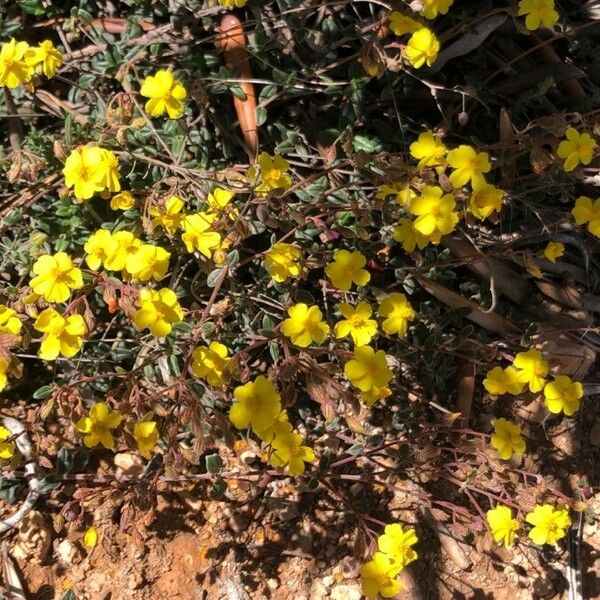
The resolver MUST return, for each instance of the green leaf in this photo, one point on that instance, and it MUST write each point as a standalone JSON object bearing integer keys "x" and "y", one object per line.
{"x": 261, "y": 115}
{"x": 366, "y": 144}
{"x": 64, "y": 461}
{"x": 69, "y": 595}
{"x": 33, "y": 7}
{"x": 325, "y": 459}
{"x": 9, "y": 489}
{"x": 218, "y": 489}
{"x": 48, "y": 484}
{"x": 356, "y": 449}
{"x": 214, "y": 463}
{"x": 156, "y": 462}
{"x": 43, "y": 392}
{"x": 213, "y": 277}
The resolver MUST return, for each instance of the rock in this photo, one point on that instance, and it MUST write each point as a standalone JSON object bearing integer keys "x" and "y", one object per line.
{"x": 327, "y": 581}
{"x": 33, "y": 540}
{"x": 248, "y": 457}
{"x": 349, "y": 567}
{"x": 317, "y": 590}
{"x": 69, "y": 553}
{"x": 272, "y": 584}
{"x": 346, "y": 592}
{"x": 128, "y": 463}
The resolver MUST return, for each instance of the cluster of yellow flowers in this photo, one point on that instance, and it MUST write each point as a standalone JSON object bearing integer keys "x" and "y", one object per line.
{"x": 367, "y": 370}
{"x": 97, "y": 428}
{"x": 19, "y": 62}
{"x": 379, "y": 575}
{"x": 423, "y": 45}
{"x": 257, "y": 404}
{"x": 550, "y": 524}
{"x": 91, "y": 169}
{"x": 529, "y": 369}
{"x": 433, "y": 210}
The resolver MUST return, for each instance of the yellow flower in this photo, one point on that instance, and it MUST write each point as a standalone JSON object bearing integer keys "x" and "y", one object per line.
{"x": 158, "y": 312}
{"x": 532, "y": 368}
{"x": 485, "y": 200}
{"x": 7, "y": 449}
{"x": 45, "y": 58}
{"x": 423, "y": 47}
{"x": 233, "y": 3}
{"x": 502, "y": 525}
{"x": 146, "y": 435}
{"x": 210, "y": 363}
{"x": 197, "y": 234}
{"x": 90, "y": 538}
{"x": 356, "y": 323}
{"x": 283, "y": 261}
{"x": 280, "y": 426}
{"x": 429, "y": 150}
{"x": 63, "y": 335}
{"x": 123, "y": 245}
{"x": 401, "y": 24}
{"x": 55, "y": 277}
{"x": 166, "y": 94}
{"x": 507, "y": 439}
{"x": 379, "y": 576}
{"x": 98, "y": 248}
{"x": 110, "y": 250}
{"x": 368, "y": 369}
{"x": 586, "y": 211}
{"x": 396, "y": 544}
{"x": 4, "y": 368}
{"x": 169, "y": 216}
{"x": 501, "y": 381}
{"x": 122, "y": 201}
{"x": 14, "y": 68}
{"x": 273, "y": 174}
{"x": 289, "y": 451}
{"x": 577, "y": 148}
{"x": 305, "y": 325}
{"x": 91, "y": 169}
{"x": 539, "y": 12}
{"x": 110, "y": 171}
{"x": 346, "y": 269}
{"x": 431, "y": 8}
{"x": 435, "y": 213}
{"x": 97, "y": 426}
{"x": 468, "y": 165}
{"x": 408, "y": 236}
{"x": 397, "y": 312}
{"x": 218, "y": 201}
{"x": 553, "y": 251}
{"x": 148, "y": 262}
{"x": 562, "y": 394}
{"x": 374, "y": 394}
{"x": 256, "y": 404}
{"x": 401, "y": 192}
{"x": 550, "y": 524}
{"x": 9, "y": 322}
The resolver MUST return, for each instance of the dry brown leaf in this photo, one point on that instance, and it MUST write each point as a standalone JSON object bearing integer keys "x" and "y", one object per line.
{"x": 507, "y": 281}
{"x": 232, "y": 41}
{"x": 491, "y": 321}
